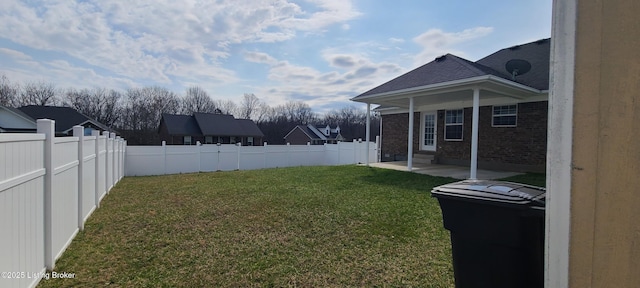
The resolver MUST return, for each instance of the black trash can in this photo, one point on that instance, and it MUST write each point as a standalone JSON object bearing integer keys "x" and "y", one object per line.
{"x": 497, "y": 232}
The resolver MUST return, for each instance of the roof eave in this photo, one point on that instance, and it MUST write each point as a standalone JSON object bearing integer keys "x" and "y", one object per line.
{"x": 17, "y": 113}
{"x": 99, "y": 125}
{"x": 451, "y": 85}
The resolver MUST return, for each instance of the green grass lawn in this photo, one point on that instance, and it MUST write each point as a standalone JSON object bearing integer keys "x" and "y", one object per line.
{"x": 294, "y": 227}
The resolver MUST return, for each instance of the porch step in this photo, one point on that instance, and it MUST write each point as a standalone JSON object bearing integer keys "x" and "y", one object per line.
{"x": 424, "y": 158}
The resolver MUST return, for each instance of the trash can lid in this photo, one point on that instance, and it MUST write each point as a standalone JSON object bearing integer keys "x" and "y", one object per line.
{"x": 495, "y": 191}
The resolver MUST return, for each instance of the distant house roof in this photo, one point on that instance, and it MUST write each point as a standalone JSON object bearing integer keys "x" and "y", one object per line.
{"x": 306, "y": 130}
{"x": 210, "y": 124}
{"x": 65, "y": 117}
{"x": 181, "y": 124}
{"x": 249, "y": 127}
{"x": 450, "y": 68}
{"x": 314, "y": 133}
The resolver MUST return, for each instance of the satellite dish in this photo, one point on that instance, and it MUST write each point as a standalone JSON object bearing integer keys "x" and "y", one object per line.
{"x": 517, "y": 67}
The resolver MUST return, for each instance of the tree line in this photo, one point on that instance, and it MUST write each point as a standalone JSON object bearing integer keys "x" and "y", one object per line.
{"x": 135, "y": 113}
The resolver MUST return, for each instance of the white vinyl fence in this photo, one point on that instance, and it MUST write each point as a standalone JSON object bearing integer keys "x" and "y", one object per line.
{"x": 174, "y": 159}
{"x": 48, "y": 188}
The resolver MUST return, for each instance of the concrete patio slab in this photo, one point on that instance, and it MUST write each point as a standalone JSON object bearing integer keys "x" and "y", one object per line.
{"x": 457, "y": 172}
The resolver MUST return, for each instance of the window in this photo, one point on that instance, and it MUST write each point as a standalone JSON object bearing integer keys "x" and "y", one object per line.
{"x": 208, "y": 139}
{"x": 504, "y": 116}
{"x": 187, "y": 140}
{"x": 453, "y": 121}
{"x": 88, "y": 131}
{"x": 249, "y": 141}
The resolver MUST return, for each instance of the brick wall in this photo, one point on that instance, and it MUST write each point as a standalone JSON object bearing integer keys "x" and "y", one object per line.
{"x": 521, "y": 148}
{"x": 394, "y": 135}
{"x": 524, "y": 144}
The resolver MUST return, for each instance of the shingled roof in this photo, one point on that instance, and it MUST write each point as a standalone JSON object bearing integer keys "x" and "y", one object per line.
{"x": 449, "y": 67}
{"x": 65, "y": 117}
{"x": 210, "y": 124}
{"x": 537, "y": 53}
{"x": 181, "y": 124}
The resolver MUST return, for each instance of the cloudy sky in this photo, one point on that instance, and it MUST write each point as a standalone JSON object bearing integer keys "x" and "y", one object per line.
{"x": 323, "y": 52}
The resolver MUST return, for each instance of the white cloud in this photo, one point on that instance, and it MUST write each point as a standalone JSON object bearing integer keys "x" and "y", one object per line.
{"x": 161, "y": 40}
{"x": 342, "y": 60}
{"x": 396, "y": 40}
{"x": 436, "y": 42}
{"x": 260, "y": 57}
{"x": 316, "y": 88}
{"x": 15, "y": 54}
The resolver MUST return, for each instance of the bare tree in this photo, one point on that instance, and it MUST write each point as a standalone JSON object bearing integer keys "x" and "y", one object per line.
{"x": 249, "y": 106}
{"x": 101, "y": 104}
{"x": 279, "y": 120}
{"x": 143, "y": 110}
{"x": 352, "y": 122}
{"x": 262, "y": 113}
{"x": 196, "y": 99}
{"x": 298, "y": 112}
{"x": 37, "y": 93}
{"x": 226, "y": 106}
{"x": 8, "y": 91}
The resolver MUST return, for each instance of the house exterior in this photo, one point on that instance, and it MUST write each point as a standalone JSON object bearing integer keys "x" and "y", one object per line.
{"x": 13, "y": 120}
{"x": 208, "y": 128}
{"x": 491, "y": 113}
{"x": 65, "y": 117}
{"x": 315, "y": 135}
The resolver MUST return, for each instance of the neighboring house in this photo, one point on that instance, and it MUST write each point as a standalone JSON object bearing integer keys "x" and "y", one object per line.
{"x": 316, "y": 135}
{"x": 208, "y": 128}
{"x": 65, "y": 118}
{"x": 13, "y": 120}
{"x": 509, "y": 89}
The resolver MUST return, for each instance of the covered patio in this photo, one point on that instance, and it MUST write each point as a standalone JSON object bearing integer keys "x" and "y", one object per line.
{"x": 436, "y": 95}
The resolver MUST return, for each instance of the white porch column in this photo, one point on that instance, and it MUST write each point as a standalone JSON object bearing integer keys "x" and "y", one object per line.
{"x": 367, "y": 133}
{"x": 474, "y": 134}
{"x": 410, "y": 137}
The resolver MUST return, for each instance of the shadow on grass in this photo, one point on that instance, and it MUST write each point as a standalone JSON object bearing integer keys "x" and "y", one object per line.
{"x": 407, "y": 180}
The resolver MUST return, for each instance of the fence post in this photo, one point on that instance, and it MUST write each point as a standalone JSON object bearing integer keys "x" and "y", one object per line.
{"x": 288, "y": 154}
{"x": 164, "y": 157}
{"x": 47, "y": 127}
{"x": 120, "y": 151}
{"x": 356, "y": 147}
{"x": 117, "y": 156}
{"x": 199, "y": 145}
{"x": 326, "y": 154}
{"x": 113, "y": 158}
{"x": 96, "y": 133}
{"x": 218, "y": 163}
{"x": 238, "y": 145}
{"x": 78, "y": 131}
{"x": 264, "y": 164}
{"x": 124, "y": 156}
{"x": 106, "y": 161}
